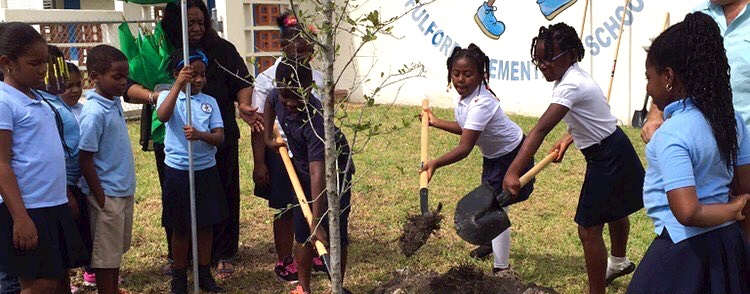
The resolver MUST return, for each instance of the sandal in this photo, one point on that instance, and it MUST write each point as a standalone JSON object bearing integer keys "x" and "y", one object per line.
{"x": 224, "y": 269}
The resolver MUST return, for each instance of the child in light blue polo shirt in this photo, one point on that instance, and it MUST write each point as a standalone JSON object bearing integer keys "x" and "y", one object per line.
{"x": 205, "y": 133}
{"x": 40, "y": 239}
{"x": 106, "y": 161}
{"x": 692, "y": 161}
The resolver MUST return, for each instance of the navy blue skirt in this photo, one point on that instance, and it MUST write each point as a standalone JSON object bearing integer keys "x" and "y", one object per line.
{"x": 302, "y": 229}
{"x": 59, "y": 248}
{"x": 210, "y": 203}
{"x": 279, "y": 191}
{"x": 493, "y": 173}
{"x": 613, "y": 186}
{"x": 710, "y": 263}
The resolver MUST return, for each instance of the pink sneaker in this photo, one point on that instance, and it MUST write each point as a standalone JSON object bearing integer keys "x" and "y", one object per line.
{"x": 89, "y": 280}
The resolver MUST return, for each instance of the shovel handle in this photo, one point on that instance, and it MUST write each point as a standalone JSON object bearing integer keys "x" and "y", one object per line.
{"x": 423, "y": 180}
{"x": 526, "y": 178}
{"x": 284, "y": 152}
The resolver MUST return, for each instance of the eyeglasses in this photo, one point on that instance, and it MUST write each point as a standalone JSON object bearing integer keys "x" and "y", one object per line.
{"x": 538, "y": 62}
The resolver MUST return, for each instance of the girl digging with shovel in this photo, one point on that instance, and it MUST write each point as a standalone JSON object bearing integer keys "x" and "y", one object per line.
{"x": 480, "y": 121}
{"x": 613, "y": 184}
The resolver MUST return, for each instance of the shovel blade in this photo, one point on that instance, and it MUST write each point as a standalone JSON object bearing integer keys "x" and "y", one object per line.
{"x": 639, "y": 118}
{"x": 479, "y": 218}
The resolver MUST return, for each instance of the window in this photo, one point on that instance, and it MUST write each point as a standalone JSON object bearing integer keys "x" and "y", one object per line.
{"x": 265, "y": 14}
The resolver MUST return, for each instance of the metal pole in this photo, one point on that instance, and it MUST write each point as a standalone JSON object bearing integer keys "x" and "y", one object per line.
{"x": 191, "y": 169}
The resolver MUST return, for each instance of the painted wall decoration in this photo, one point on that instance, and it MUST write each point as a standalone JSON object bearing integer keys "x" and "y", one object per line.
{"x": 494, "y": 28}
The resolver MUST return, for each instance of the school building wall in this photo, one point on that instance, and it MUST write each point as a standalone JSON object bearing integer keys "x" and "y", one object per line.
{"x": 428, "y": 34}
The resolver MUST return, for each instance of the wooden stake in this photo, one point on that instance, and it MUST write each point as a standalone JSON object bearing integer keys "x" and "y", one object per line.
{"x": 583, "y": 23}
{"x": 617, "y": 50}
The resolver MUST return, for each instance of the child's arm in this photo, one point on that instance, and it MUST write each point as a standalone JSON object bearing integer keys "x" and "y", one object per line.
{"x": 468, "y": 140}
{"x": 215, "y": 137}
{"x": 448, "y": 126}
{"x": 73, "y": 204}
{"x": 86, "y": 162}
{"x": 24, "y": 231}
{"x": 548, "y": 121}
{"x": 741, "y": 185}
{"x": 166, "y": 108}
{"x": 691, "y": 213}
{"x": 320, "y": 199}
{"x": 260, "y": 170}
{"x": 269, "y": 118}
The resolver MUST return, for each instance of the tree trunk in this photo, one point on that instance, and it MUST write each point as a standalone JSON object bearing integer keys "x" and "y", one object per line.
{"x": 332, "y": 187}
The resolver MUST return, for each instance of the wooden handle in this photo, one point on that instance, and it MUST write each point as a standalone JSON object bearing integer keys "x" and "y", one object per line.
{"x": 666, "y": 22}
{"x": 617, "y": 49}
{"x": 583, "y": 24}
{"x": 537, "y": 168}
{"x": 423, "y": 143}
{"x": 297, "y": 187}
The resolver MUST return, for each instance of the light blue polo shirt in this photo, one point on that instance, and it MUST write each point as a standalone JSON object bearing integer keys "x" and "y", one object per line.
{"x": 737, "y": 43}
{"x": 683, "y": 153}
{"x": 71, "y": 134}
{"x": 37, "y": 158}
{"x": 104, "y": 132}
{"x": 206, "y": 116}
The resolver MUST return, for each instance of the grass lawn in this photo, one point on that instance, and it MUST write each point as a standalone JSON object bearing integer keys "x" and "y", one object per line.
{"x": 545, "y": 246}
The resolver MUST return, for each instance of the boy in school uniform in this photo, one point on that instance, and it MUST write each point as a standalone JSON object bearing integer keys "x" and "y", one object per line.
{"x": 302, "y": 121}
{"x": 106, "y": 160}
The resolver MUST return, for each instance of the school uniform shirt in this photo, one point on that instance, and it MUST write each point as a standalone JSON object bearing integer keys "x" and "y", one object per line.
{"x": 683, "y": 153}
{"x": 305, "y": 133}
{"x": 206, "y": 116}
{"x": 71, "y": 134}
{"x": 104, "y": 133}
{"x": 37, "y": 160}
{"x": 589, "y": 118}
{"x": 481, "y": 112}
{"x": 76, "y": 109}
{"x": 737, "y": 43}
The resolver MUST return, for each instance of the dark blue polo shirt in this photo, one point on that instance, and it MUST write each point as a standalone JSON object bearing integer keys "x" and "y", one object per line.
{"x": 305, "y": 133}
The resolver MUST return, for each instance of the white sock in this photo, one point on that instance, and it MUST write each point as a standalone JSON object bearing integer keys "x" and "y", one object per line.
{"x": 501, "y": 248}
{"x": 616, "y": 264}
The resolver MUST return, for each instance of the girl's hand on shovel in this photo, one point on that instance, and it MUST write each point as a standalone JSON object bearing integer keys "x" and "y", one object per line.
{"x": 512, "y": 183}
{"x": 430, "y": 168}
{"x": 431, "y": 118}
{"x": 271, "y": 143}
{"x": 561, "y": 146}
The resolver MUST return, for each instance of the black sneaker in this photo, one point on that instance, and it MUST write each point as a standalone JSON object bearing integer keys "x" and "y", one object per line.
{"x": 318, "y": 266}
{"x": 622, "y": 271}
{"x": 286, "y": 270}
{"x": 481, "y": 252}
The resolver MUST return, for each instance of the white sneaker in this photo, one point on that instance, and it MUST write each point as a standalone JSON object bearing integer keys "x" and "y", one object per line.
{"x": 616, "y": 270}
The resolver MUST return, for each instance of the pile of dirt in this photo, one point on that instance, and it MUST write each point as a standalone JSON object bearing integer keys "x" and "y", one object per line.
{"x": 417, "y": 230}
{"x": 464, "y": 279}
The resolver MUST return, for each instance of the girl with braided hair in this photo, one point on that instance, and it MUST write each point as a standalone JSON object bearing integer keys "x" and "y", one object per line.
{"x": 702, "y": 147}
{"x": 612, "y": 187}
{"x": 480, "y": 121}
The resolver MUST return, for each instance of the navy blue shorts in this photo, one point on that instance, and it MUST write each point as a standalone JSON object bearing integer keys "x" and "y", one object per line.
{"x": 713, "y": 262}
{"x": 210, "y": 203}
{"x": 83, "y": 222}
{"x": 302, "y": 229}
{"x": 493, "y": 173}
{"x": 279, "y": 191}
{"x": 60, "y": 246}
{"x": 613, "y": 186}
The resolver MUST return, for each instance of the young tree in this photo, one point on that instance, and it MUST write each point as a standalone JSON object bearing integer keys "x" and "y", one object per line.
{"x": 336, "y": 20}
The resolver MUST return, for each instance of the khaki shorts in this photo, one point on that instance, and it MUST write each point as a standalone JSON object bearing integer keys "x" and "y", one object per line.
{"x": 111, "y": 229}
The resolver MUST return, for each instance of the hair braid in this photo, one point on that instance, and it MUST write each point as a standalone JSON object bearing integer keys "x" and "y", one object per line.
{"x": 481, "y": 60}
{"x": 567, "y": 39}
{"x": 694, "y": 50}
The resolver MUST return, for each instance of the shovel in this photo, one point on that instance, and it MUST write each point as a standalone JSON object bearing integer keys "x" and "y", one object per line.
{"x": 284, "y": 152}
{"x": 419, "y": 228}
{"x": 479, "y": 216}
{"x": 423, "y": 180}
{"x": 639, "y": 116}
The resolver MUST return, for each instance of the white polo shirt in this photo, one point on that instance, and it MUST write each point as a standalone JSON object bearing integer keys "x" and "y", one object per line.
{"x": 481, "y": 112}
{"x": 589, "y": 119}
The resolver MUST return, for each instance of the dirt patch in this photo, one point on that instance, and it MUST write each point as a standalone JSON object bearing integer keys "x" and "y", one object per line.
{"x": 417, "y": 230}
{"x": 464, "y": 279}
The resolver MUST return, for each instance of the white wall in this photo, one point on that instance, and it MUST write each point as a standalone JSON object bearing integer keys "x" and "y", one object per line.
{"x": 521, "y": 88}
{"x": 98, "y": 4}
{"x": 25, "y": 4}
